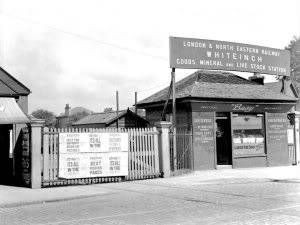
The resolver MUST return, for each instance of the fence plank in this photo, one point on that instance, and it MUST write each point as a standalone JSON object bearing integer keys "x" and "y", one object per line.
{"x": 156, "y": 154}
{"x": 153, "y": 163}
{"x": 46, "y": 154}
{"x": 51, "y": 172}
{"x": 55, "y": 155}
{"x": 146, "y": 135}
{"x": 134, "y": 137}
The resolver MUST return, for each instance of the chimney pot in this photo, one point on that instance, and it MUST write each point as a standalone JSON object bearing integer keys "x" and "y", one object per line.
{"x": 257, "y": 78}
{"x": 67, "y": 110}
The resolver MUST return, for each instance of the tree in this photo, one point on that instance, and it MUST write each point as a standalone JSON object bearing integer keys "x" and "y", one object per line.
{"x": 107, "y": 110}
{"x": 77, "y": 116}
{"x": 294, "y": 48}
{"x": 46, "y": 115}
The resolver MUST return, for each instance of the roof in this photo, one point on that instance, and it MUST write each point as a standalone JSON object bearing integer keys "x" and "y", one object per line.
{"x": 104, "y": 117}
{"x": 10, "y": 112}
{"x": 277, "y": 87}
{"x": 218, "y": 85}
{"x": 9, "y": 86}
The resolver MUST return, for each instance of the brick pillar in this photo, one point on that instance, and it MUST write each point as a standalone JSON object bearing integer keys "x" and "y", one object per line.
{"x": 164, "y": 147}
{"x": 36, "y": 145}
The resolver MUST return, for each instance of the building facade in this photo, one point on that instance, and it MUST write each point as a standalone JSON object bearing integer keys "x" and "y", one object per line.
{"x": 234, "y": 122}
{"x": 13, "y": 117}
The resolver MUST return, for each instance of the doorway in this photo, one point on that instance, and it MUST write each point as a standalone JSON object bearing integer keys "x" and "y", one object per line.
{"x": 6, "y": 159}
{"x": 223, "y": 139}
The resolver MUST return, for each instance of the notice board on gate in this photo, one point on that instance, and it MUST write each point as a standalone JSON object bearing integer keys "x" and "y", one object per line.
{"x": 83, "y": 155}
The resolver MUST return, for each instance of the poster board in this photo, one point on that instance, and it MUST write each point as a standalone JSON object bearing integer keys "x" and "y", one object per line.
{"x": 84, "y": 155}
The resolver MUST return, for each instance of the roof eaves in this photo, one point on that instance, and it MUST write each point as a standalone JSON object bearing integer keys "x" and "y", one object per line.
{"x": 116, "y": 117}
{"x": 18, "y": 82}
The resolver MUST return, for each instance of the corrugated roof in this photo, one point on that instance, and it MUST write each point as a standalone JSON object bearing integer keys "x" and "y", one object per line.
{"x": 219, "y": 85}
{"x": 12, "y": 85}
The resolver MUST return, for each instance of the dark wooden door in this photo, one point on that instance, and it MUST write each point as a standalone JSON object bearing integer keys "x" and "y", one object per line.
{"x": 5, "y": 161}
{"x": 223, "y": 140}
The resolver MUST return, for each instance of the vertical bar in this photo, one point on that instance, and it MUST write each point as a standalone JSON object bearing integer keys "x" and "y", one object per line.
{"x": 146, "y": 151}
{"x": 231, "y": 139}
{"x": 152, "y": 153}
{"x": 51, "y": 135}
{"x": 139, "y": 150}
{"x": 155, "y": 148}
{"x": 117, "y": 105}
{"x": 174, "y": 117}
{"x": 135, "y": 104}
{"x": 130, "y": 155}
{"x": 149, "y": 152}
{"x": 55, "y": 154}
{"x": 133, "y": 149}
{"x": 46, "y": 154}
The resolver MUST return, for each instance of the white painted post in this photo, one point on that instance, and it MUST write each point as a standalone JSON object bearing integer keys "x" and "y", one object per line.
{"x": 297, "y": 138}
{"x": 164, "y": 147}
{"x": 36, "y": 144}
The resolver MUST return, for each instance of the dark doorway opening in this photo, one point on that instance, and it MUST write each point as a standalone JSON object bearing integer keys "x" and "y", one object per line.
{"x": 6, "y": 158}
{"x": 223, "y": 139}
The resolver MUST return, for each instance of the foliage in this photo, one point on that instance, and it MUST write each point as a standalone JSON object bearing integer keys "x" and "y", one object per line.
{"x": 294, "y": 48}
{"x": 77, "y": 116}
{"x": 46, "y": 115}
{"x": 106, "y": 110}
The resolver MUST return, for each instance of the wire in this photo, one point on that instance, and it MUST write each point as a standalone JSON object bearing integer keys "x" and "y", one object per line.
{"x": 84, "y": 37}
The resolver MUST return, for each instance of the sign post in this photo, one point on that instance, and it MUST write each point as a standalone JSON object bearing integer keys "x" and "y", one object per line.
{"x": 174, "y": 117}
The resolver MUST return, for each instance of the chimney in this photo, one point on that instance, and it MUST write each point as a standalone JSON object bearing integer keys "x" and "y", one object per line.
{"x": 257, "y": 78}
{"x": 283, "y": 85}
{"x": 67, "y": 110}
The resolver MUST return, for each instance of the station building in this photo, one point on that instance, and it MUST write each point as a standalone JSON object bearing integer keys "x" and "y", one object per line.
{"x": 13, "y": 117}
{"x": 234, "y": 122}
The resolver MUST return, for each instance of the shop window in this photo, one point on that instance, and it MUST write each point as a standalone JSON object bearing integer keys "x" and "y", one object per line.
{"x": 248, "y": 135}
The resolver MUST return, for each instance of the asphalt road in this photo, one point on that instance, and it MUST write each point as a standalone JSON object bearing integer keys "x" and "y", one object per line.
{"x": 172, "y": 201}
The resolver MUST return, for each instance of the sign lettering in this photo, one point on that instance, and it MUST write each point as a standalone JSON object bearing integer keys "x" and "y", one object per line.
{"x": 93, "y": 155}
{"x": 189, "y": 53}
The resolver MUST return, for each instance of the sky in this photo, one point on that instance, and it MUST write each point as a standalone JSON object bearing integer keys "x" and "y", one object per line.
{"x": 80, "y": 52}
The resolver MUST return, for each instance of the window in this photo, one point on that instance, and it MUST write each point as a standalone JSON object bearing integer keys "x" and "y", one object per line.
{"x": 248, "y": 135}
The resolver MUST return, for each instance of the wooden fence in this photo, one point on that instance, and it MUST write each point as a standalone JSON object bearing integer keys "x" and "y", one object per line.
{"x": 143, "y": 161}
{"x": 292, "y": 154}
{"x": 184, "y": 152}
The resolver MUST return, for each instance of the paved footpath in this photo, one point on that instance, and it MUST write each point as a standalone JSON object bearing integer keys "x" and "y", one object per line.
{"x": 243, "y": 196}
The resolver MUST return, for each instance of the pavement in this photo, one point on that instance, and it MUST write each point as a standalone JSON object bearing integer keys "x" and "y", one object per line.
{"x": 11, "y": 196}
{"x": 230, "y": 196}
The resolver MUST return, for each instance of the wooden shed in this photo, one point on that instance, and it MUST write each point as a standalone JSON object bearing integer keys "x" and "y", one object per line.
{"x": 122, "y": 119}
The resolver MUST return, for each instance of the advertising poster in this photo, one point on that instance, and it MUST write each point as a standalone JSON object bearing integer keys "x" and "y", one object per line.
{"x": 83, "y": 155}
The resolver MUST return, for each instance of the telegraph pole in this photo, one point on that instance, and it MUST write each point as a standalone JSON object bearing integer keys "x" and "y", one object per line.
{"x": 117, "y": 106}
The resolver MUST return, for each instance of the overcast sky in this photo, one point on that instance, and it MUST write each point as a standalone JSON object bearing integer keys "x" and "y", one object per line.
{"x": 81, "y": 52}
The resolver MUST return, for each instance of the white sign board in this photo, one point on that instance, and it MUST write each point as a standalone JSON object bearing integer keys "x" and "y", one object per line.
{"x": 84, "y": 155}
{"x": 93, "y": 142}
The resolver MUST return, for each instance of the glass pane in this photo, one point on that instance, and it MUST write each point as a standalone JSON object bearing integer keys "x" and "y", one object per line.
{"x": 248, "y": 135}
{"x": 247, "y": 122}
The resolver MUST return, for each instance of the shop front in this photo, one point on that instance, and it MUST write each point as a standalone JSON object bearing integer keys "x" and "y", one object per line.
{"x": 234, "y": 122}
{"x": 239, "y": 134}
